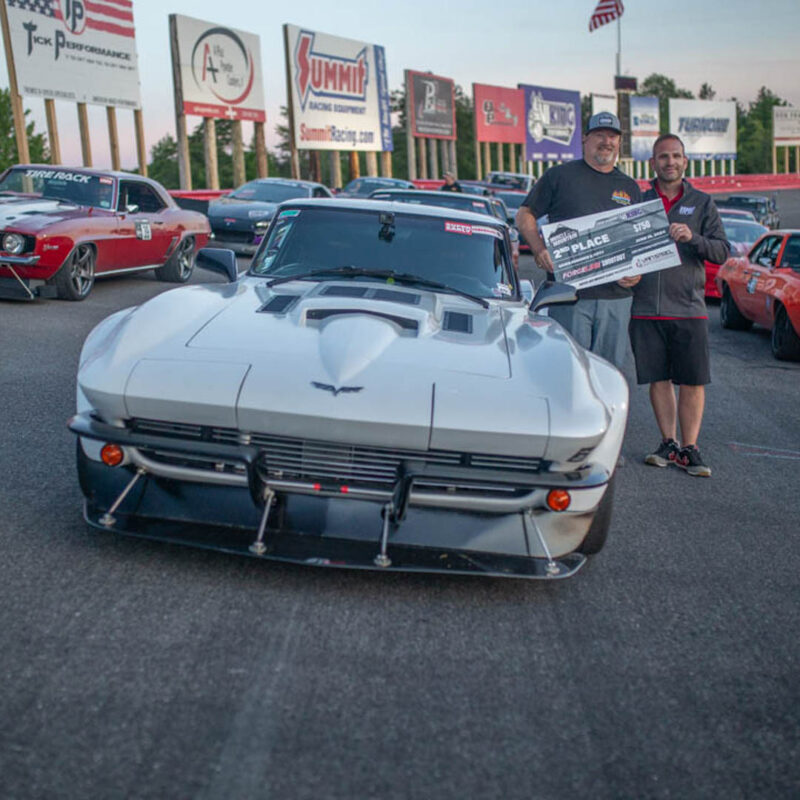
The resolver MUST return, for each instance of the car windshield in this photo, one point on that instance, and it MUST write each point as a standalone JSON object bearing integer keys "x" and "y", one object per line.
{"x": 758, "y": 204}
{"x": 440, "y": 199}
{"x": 741, "y": 231}
{"x": 513, "y": 200}
{"x": 463, "y": 255}
{"x": 66, "y": 185}
{"x": 364, "y": 186}
{"x": 270, "y": 192}
{"x": 512, "y": 181}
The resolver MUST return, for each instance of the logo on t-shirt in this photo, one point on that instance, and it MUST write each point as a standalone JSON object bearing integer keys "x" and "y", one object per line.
{"x": 686, "y": 210}
{"x": 621, "y": 197}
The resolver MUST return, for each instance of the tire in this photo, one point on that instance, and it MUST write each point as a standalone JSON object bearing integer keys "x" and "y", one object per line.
{"x": 729, "y": 315}
{"x": 598, "y": 530}
{"x": 180, "y": 264}
{"x": 75, "y": 279}
{"x": 785, "y": 341}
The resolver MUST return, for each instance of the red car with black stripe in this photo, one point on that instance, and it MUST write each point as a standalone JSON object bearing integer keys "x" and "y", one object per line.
{"x": 60, "y": 228}
{"x": 763, "y": 287}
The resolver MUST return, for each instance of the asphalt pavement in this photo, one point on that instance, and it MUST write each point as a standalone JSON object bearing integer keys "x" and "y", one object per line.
{"x": 667, "y": 668}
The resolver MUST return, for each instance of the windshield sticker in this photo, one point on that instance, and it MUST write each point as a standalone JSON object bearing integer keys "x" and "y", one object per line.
{"x": 106, "y": 180}
{"x": 501, "y": 290}
{"x": 53, "y": 175}
{"x": 477, "y": 204}
{"x": 290, "y": 212}
{"x": 465, "y": 229}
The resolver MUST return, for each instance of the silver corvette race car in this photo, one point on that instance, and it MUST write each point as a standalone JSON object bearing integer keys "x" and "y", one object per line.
{"x": 377, "y": 391}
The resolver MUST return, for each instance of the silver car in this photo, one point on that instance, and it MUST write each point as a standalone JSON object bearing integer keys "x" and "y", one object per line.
{"x": 377, "y": 391}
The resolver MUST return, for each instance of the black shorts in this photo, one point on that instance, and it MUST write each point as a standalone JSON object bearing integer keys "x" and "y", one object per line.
{"x": 671, "y": 350}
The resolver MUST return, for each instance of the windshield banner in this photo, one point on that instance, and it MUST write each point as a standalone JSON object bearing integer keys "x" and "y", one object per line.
{"x": 80, "y": 51}
{"x": 338, "y": 92}
{"x": 601, "y": 248}
{"x": 499, "y": 114}
{"x": 706, "y": 127}
{"x": 552, "y": 124}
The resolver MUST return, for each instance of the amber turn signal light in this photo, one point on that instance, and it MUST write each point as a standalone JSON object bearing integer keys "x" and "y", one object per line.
{"x": 558, "y": 499}
{"x": 112, "y": 455}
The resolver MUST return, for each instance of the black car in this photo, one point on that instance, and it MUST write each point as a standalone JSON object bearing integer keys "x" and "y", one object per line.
{"x": 513, "y": 200}
{"x": 764, "y": 209}
{"x": 363, "y": 187}
{"x": 240, "y": 219}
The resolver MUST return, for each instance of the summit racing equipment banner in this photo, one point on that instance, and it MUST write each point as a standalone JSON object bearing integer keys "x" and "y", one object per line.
{"x": 553, "y": 122}
{"x": 645, "y": 126}
{"x": 219, "y": 70}
{"x": 706, "y": 127}
{"x": 75, "y": 50}
{"x": 499, "y": 114}
{"x": 433, "y": 105}
{"x": 604, "y": 247}
{"x": 339, "y": 92}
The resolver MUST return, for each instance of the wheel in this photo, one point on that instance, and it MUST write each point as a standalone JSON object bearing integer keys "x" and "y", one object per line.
{"x": 785, "y": 341}
{"x": 598, "y": 530}
{"x": 75, "y": 279}
{"x": 180, "y": 264}
{"x": 729, "y": 315}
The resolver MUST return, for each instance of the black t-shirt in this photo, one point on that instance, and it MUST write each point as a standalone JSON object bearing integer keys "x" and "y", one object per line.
{"x": 575, "y": 189}
{"x": 453, "y": 187}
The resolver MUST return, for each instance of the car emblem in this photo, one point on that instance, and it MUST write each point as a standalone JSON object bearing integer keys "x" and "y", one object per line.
{"x": 329, "y": 387}
{"x": 229, "y": 220}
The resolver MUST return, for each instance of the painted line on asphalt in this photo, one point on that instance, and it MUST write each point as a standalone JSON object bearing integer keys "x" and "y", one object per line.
{"x": 764, "y": 452}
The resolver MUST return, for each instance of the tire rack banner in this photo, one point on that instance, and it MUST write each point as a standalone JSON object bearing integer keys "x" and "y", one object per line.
{"x": 339, "y": 92}
{"x": 786, "y": 126}
{"x": 706, "y": 127}
{"x": 433, "y": 105}
{"x": 644, "y": 127}
{"x": 553, "y": 124}
{"x": 75, "y": 50}
{"x": 220, "y": 71}
{"x": 499, "y": 114}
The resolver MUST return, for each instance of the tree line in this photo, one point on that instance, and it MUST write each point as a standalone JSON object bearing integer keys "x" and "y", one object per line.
{"x": 754, "y": 138}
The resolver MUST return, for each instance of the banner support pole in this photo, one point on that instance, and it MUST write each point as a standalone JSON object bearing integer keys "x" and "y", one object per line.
{"x": 52, "y": 130}
{"x": 23, "y": 153}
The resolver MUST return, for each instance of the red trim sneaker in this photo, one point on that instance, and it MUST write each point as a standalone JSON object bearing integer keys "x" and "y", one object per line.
{"x": 664, "y": 455}
{"x": 689, "y": 459}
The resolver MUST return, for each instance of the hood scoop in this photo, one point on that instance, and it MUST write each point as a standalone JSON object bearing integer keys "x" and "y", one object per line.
{"x": 349, "y": 344}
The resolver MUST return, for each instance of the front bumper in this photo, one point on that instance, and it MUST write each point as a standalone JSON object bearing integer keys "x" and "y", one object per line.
{"x": 17, "y": 287}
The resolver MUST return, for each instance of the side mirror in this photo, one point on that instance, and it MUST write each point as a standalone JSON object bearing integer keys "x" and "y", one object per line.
{"x": 132, "y": 208}
{"x": 526, "y": 288}
{"x": 551, "y": 293}
{"x": 218, "y": 260}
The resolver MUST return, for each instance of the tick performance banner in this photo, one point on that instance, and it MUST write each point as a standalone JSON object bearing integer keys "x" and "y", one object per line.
{"x": 338, "y": 91}
{"x": 553, "y": 124}
{"x": 706, "y": 127}
{"x": 645, "y": 126}
{"x": 604, "y": 247}
{"x": 433, "y": 105}
{"x": 75, "y": 50}
{"x": 219, "y": 70}
{"x": 499, "y": 114}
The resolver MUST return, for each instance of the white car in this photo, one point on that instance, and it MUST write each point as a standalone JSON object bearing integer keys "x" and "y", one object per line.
{"x": 378, "y": 390}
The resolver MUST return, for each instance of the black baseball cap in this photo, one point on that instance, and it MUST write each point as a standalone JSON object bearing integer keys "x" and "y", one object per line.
{"x": 605, "y": 119}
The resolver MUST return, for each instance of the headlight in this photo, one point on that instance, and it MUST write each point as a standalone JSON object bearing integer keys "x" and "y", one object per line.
{"x": 13, "y": 243}
{"x": 262, "y": 225}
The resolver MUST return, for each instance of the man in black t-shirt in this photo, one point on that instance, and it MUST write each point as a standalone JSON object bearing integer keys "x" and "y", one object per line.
{"x": 450, "y": 183}
{"x": 599, "y": 320}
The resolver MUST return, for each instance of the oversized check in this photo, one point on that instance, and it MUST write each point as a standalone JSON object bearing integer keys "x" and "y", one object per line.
{"x": 600, "y": 248}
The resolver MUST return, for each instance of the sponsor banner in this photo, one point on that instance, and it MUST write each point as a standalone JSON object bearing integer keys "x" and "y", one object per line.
{"x": 499, "y": 114}
{"x": 786, "y": 126}
{"x": 604, "y": 247}
{"x": 604, "y": 102}
{"x": 467, "y": 229}
{"x": 75, "y": 50}
{"x": 433, "y": 105}
{"x": 338, "y": 91}
{"x": 645, "y": 126}
{"x": 552, "y": 123}
{"x": 706, "y": 127}
{"x": 219, "y": 70}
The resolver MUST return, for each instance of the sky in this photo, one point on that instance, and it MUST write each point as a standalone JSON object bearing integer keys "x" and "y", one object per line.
{"x": 737, "y": 47}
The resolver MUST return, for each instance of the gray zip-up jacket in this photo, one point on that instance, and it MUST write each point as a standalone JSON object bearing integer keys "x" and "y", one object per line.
{"x": 680, "y": 291}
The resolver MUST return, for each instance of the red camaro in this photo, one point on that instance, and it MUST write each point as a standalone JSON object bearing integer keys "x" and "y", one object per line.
{"x": 764, "y": 287}
{"x": 62, "y": 227}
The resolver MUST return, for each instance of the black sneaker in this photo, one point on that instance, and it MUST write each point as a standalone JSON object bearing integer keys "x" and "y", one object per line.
{"x": 666, "y": 454}
{"x": 689, "y": 459}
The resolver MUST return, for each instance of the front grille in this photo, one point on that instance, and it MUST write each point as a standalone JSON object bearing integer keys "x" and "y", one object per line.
{"x": 237, "y": 237}
{"x": 287, "y": 458}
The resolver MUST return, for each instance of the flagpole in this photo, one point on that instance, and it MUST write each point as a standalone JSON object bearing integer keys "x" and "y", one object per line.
{"x": 619, "y": 45}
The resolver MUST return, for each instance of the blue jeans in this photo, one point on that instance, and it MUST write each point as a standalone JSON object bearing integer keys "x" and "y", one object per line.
{"x": 598, "y": 325}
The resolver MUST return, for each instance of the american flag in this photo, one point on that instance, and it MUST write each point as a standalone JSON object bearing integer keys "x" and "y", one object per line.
{"x": 107, "y": 16}
{"x": 606, "y": 11}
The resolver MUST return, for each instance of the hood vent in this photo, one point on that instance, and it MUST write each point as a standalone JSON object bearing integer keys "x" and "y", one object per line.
{"x": 388, "y": 295}
{"x": 396, "y": 297}
{"x": 457, "y": 322}
{"x": 344, "y": 291}
{"x": 320, "y": 314}
{"x": 279, "y": 304}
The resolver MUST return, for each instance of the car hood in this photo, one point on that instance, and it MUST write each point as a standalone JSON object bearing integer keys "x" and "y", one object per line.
{"x": 33, "y": 214}
{"x": 368, "y": 371}
{"x": 247, "y": 209}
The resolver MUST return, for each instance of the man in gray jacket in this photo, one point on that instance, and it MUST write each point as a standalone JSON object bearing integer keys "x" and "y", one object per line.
{"x": 669, "y": 321}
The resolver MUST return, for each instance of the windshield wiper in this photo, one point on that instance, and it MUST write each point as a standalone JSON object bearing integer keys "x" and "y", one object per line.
{"x": 388, "y": 274}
